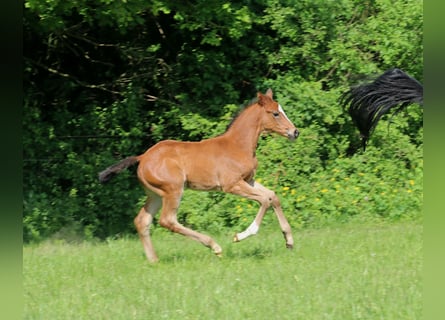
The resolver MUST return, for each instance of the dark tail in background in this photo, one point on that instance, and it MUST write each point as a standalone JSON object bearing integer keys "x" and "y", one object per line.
{"x": 111, "y": 171}
{"x": 369, "y": 102}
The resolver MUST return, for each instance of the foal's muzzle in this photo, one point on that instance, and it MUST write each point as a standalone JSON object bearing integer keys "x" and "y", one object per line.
{"x": 292, "y": 134}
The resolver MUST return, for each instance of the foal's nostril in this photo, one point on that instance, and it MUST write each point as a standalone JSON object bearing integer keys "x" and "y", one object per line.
{"x": 293, "y": 134}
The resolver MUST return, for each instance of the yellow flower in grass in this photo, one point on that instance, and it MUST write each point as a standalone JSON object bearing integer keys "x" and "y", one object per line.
{"x": 285, "y": 188}
{"x": 411, "y": 182}
{"x": 301, "y": 198}
{"x": 324, "y": 190}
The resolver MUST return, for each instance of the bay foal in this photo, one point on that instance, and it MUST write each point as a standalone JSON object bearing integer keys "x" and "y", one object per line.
{"x": 224, "y": 163}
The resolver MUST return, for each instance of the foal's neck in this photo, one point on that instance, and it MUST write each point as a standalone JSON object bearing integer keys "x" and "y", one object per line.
{"x": 246, "y": 129}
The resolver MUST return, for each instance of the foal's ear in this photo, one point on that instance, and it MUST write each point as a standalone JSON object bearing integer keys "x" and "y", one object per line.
{"x": 262, "y": 97}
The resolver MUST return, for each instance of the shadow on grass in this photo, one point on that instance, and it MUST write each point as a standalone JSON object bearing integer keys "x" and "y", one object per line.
{"x": 256, "y": 253}
{"x": 172, "y": 249}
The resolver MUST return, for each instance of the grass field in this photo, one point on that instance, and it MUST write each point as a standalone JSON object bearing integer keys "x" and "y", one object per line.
{"x": 353, "y": 271}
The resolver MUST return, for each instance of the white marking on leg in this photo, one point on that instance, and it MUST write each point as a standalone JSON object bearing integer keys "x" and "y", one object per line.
{"x": 251, "y": 230}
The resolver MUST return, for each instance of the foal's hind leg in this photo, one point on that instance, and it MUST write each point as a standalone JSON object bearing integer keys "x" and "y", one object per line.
{"x": 143, "y": 221}
{"x": 168, "y": 219}
{"x": 266, "y": 198}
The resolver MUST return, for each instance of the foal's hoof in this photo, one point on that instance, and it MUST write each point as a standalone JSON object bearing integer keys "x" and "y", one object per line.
{"x": 235, "y": 238}
{"x": 218, "y": 253}
{"x": 289, "y": 246}
{"x": 217, "y": 250}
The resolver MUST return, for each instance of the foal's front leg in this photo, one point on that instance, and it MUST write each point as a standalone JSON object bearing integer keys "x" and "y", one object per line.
{"x": 266, "y": 198}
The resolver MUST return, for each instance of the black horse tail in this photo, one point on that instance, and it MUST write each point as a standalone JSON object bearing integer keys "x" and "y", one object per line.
{"x": 111, "y": 171}
{"x": 369, "y": 102}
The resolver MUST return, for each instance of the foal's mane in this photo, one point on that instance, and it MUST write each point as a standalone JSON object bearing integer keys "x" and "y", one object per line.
{"x": 241, "y": 110}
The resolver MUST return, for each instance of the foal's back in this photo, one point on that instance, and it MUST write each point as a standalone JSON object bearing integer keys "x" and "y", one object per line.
{"x": 210, "y": 164}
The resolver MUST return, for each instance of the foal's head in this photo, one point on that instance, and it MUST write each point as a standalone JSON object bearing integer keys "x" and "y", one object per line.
{"x": 274, "y": 119}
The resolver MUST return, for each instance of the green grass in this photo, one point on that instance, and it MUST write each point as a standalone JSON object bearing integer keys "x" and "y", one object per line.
{"x": 353, "y": 271}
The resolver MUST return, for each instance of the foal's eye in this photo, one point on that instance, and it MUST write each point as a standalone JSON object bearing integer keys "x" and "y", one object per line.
{"x": 276, "y": 114}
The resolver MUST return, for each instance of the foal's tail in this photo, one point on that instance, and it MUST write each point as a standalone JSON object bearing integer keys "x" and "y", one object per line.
{"x": 111, "y": 171}
{"x": 369, "y": 102}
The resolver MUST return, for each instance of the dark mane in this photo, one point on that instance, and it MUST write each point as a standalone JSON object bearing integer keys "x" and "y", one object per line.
{"x": 244, "y": 107}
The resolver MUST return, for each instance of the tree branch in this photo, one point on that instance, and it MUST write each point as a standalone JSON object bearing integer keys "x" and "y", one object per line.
{"x": 101, "y": 87}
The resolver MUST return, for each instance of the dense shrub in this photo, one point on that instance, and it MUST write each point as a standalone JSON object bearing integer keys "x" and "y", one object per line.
{"x": 106, "y": 80}
{"x": 315, "y": 178}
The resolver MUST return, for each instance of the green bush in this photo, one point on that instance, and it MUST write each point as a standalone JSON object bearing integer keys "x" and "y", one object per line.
{"x": 107, "y": 80}
{"x": 317, "y": 181}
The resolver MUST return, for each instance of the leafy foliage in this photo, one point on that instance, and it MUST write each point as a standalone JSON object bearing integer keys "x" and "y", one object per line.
{"x": 107, "y": 79}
